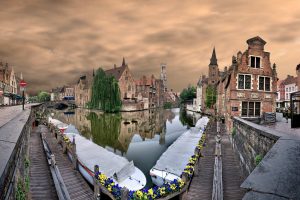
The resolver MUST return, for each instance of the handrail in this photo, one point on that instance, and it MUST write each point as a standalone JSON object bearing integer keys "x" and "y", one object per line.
{"x": 217, "y": 193}
{"x": 61, "y": 189}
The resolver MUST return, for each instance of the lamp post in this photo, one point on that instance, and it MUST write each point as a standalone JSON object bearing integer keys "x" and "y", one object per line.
{"x": 22, "y": 87}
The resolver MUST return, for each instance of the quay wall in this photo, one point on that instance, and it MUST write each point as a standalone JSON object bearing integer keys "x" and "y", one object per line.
{"x": 250, "y": 142}
{"x": 14, "y": 147}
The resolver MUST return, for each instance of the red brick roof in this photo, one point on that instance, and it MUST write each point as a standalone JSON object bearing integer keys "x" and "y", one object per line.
{"x": 116, "y": 72}
{"x": 290, "y": 80}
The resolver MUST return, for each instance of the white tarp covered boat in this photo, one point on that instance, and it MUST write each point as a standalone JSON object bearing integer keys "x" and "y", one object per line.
{"x": 172, "y": 162}
{"x": 113, "y": 166}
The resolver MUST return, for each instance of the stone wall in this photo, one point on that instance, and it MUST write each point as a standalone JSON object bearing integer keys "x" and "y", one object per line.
{"x": 251, "y": 140}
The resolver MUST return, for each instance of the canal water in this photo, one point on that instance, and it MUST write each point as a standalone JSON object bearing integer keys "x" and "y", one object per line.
{"x": 141, "y": 137}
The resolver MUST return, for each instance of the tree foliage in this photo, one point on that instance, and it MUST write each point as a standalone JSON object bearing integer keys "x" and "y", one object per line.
{"x": 211, "y": 96}
{"x": 105, "y": 93}
{"x": 43, "y": 96}
{"x": 187, "y": 94}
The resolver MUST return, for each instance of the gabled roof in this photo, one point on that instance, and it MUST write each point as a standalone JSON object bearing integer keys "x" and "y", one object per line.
{"x": 257, "y": 38}
{"x": 290, "y": 80}
{"x": 116, "y": 72}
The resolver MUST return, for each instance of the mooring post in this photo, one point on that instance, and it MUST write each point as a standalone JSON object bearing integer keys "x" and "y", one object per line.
{"x": 124, "y": 193}
{"x": 75, "y": 160}
{"x": 185, "y": 177}
{"x": 97, "y": 191}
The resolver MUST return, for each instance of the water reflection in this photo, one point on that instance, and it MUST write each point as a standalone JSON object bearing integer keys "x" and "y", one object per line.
{"x": 139, "y": 136}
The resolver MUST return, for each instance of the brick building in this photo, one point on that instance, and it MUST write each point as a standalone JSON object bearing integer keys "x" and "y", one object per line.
{"x": 248, "y": 88}
{"x": 83, "y": 90}
{"x": 9, "y": 93}
{"x": 125, "y": 80}
{"x": 150, "y": 90}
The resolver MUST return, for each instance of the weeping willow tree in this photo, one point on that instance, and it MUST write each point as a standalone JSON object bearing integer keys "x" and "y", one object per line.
{"x": 105, "y": 93}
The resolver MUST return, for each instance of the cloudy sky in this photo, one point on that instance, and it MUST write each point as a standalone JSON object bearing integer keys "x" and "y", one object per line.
{"x": 54, "y": 41}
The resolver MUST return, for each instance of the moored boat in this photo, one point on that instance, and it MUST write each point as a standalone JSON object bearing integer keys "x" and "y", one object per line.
{"x": 89, "y": 154}
{"x": 173, "y": 161}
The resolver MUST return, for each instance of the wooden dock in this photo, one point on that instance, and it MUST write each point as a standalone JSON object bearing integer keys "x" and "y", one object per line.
{"x": 76, "y": 185}
{"x": 41, "y": 183}
{"x": 232, "y": 174}
{"x": 202, "y": 184}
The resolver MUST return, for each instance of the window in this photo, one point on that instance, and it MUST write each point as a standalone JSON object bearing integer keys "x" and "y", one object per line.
{"x": 255, "y": 62}
{"x": 264, "y": 83}
{"x": 244, "y": 81}
{"x": 287, "y": 96}
{"x": 250, "y": 109}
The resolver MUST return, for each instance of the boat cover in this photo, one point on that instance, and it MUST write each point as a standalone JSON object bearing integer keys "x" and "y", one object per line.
{"x": 177, "y": 156}
{"x": 91, "y": 154}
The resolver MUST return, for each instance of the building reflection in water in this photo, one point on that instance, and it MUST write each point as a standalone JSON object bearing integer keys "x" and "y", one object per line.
{"x": 139, "y": 136}
{"x": 115, "y": 131}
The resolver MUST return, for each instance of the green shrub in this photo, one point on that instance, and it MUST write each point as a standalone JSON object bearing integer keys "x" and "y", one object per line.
{"x": 258, "y": 158}
{"x": 233, "y": 132}
{"x": 167, "y": 105}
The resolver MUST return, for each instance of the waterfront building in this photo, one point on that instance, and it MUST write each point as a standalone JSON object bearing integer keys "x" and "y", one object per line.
{"x": 163, "y": 76}
{"x": 68, "y": 93}
{"x": 8, "y": 85}
{"x": 55, "y": 94}
{"x": 125, "y": 80}
{"x": 149, "y": 91}
{"x": 290, "y": 86}
{"x": 83, "y": 90}
{"x": 248, "y": 88}
{"x": 280, "y": 95}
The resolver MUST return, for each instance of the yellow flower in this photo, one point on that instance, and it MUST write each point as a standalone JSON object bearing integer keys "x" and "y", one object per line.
{"x": 150, "y": 192}
{"x": 181, "y": 183}
{"x": 139, "y": 194}
{"x": 173, "y": 187}
{"x": 109, "y": 188}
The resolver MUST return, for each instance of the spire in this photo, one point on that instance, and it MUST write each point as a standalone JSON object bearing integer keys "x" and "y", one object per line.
{"x": 123, "y": 63}
{"x": 213, "y": 59}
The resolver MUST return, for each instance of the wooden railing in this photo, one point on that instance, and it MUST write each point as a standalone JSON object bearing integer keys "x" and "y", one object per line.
{"x": 60, "y": 186}
{"x": 217, "y": 193}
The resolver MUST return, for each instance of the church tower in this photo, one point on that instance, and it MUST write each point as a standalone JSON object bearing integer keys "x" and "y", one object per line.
{"x": 213, "y": 72}
{"x": 163, "y": 75}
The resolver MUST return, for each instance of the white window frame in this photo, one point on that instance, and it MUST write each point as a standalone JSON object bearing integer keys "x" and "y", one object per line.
{"x": 237, "y": 82}
{"x": 254, "y": 116}
{"x": 264, "y": 83}
{"x": 249, "y": 63}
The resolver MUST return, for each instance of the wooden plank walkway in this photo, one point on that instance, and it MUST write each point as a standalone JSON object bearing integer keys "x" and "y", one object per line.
{"x": 41, "y": 183}
{"x": 201, "y": 185}
{"x": 232, "y": 175}
{"x": 76, "y": 185}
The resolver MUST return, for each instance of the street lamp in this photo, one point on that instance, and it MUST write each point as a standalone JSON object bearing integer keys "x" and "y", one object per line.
{"x": 22, "y": 87}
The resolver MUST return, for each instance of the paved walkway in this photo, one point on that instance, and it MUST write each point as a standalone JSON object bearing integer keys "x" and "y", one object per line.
{"x": 284, "y": 127}
{"x": 8, "y": 113}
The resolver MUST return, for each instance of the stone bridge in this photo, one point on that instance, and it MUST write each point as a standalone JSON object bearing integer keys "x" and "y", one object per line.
{"x": 63, "y": 104}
